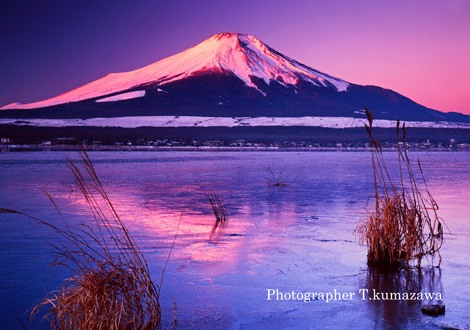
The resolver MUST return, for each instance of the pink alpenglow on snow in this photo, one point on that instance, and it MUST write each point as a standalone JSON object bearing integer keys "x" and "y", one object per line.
{"x": 240, "y": 54}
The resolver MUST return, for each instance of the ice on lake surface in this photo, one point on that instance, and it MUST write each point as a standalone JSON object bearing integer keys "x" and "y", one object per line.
{"x": 294, "y": 237}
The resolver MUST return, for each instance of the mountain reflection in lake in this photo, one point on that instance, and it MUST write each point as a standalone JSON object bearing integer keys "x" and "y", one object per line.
{"x": 293, "y": 237}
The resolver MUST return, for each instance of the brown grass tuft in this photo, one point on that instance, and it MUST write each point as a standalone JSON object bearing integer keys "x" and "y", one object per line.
{"x": 111, "y": 287}
{"x": 403, "y": 227}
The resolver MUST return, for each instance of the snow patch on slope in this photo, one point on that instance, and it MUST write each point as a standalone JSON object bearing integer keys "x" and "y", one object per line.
{"x": 123, "y": 96}
{"x": 267, "y": 64}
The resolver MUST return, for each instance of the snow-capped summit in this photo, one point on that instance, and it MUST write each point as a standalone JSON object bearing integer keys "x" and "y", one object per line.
{"x": 246, "y": 57}
{"x": 242, "y": 55}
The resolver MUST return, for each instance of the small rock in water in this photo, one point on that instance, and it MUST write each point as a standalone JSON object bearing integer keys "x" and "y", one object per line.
{"x": 448, "y": 326}
{"x": 433, "y": 310}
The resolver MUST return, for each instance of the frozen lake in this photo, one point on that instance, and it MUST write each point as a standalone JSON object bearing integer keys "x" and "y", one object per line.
{"x": 298, "y": 237}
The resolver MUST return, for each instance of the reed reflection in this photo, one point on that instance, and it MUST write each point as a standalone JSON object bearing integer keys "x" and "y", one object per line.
{"x": 395, "y": 299}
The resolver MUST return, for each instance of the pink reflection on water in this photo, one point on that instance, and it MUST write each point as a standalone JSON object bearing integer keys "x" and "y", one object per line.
{"x": 244, "y": 242}
{"x": 256, "y": 234}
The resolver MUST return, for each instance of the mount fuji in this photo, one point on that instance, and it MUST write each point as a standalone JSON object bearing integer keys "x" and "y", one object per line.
{"x": 229, "y": 75}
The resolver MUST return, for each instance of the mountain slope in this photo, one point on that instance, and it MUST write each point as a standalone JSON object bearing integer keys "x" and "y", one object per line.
{"x": 243, "y": 55}
{"x": 228, "y": 74}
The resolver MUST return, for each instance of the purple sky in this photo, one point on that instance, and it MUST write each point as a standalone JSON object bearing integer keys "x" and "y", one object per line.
{"x": 418, "y": 48}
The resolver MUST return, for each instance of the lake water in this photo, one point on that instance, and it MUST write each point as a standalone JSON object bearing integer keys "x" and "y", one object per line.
{"x": 297, "y": 237}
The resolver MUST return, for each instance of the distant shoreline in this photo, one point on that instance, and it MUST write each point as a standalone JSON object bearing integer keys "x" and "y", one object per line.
{"x": 31, "y": 148}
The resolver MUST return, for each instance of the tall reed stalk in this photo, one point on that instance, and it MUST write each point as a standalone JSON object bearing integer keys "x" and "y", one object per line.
{"x": 218, "y": 209}
{"x": 403, "y": 227}
{"x": 111, "y": 286}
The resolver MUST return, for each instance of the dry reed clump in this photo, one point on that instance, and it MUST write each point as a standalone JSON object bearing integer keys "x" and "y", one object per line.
{"x": 275, "y": 178}
{"x": 404, "y": 226}
{"x": 111, "y": 287}
{"x": 220, "y": 213}
{"x": 107, "y": 297}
